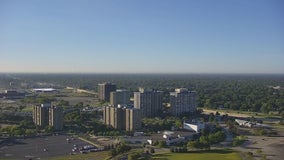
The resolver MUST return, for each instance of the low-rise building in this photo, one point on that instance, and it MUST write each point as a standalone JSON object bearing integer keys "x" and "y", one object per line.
{"x": 194, "y": 127}
{"x": 12, "y": 94}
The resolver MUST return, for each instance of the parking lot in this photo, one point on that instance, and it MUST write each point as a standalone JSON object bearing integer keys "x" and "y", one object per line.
{"x": 39, "y": 147}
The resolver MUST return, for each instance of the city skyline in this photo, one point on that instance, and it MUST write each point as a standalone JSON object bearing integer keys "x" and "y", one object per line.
{"x": 142, "y": 36}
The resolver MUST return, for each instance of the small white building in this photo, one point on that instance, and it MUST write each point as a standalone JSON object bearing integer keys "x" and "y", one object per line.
{"x": 244, "y": 123}
{"x": 44, "y": 90}
{"x": 197, "y": 127}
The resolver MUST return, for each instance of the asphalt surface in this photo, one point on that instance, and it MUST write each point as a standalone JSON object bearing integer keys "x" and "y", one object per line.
{"x": 39, "y": 147}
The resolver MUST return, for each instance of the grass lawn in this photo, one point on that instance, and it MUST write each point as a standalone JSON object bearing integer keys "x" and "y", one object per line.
{"x": 28, "y": 109}
{"x": 238, "y": 113}
{"x": 204, "y": 155}
{"x": 89, "y": 156}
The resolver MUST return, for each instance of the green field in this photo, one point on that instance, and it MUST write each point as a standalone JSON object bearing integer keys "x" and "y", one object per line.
{"x": 211, "y": 155}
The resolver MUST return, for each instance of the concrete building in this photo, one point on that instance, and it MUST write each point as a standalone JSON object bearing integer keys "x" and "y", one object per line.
{"x": 119, "y": 97}
{"x": 104, "y": 90}
{"x": 132, "y": 119}
{"x": 56, "y": 117}
{"x": 121, "y": 117}
{"x": 182, "y": 101}
{"x": 114, "y": 116}
{"x": 12, "y": 94}
{"x": 149, "y": 102}
{"x": 45, "y": 114}
{"x": 41, "y": 114}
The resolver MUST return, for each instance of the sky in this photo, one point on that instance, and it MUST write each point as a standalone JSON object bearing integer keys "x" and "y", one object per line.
{"x": 142, "y": 36}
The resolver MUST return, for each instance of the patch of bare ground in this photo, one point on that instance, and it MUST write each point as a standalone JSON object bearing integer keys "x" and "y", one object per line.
{"x": 263, "y": 146}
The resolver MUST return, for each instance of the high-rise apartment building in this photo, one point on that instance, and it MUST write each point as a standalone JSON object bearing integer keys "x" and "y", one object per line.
{"x": 149, "y": 102}
{"x": 182, "y": 101}
{"x": 132, "y": 119}
{"x": 45, "y": 114}
{"x": 40, "y": 115}
{"x": 114, "y": 116}
{"x": 123, "y": 118}
{"x": 119, "y": 97}
{"x": 104, "y": 90}
{"x": 56, "y": 117}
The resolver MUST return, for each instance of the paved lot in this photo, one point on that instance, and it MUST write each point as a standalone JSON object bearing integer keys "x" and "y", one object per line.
{"x": 272, "y": 147}
{"x": 39, "y": 147}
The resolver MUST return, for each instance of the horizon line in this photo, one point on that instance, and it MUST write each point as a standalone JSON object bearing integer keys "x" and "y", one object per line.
{"x": 162, "y": 73}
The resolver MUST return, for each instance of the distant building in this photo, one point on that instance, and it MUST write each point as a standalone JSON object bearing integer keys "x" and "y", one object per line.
{"x": 45, "y": 114}
{"x": 182, "y": 101}
{"x": 149, "y": 102}
{"x": 119, "y": 97}
{"x": 56, "y": 117}
{"x": 44, "y": 90}
{"x": 12, "y": 94}
{"x": 123, "y": 118}
{"x": 104, "y": 90}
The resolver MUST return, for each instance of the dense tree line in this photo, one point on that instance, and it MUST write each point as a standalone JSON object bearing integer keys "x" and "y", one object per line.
{"x": 119, "y": 149}
{"x": 84, "y": 122}
{"x": 157, "y": 124}
{"x": 237, "y": 92}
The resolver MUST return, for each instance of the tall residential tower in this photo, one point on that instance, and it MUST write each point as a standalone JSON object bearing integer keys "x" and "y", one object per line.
{"x": 182, "y": 101}
{"x": 104, "y": 90}
{"x": 40, "y": 115}
{"x": 56, "y": 117}
{"x": 120, "y": 96}
{"x": 121, "y": 117}
{"x": 149, "y": 102}
{"x": 45, "y": 114}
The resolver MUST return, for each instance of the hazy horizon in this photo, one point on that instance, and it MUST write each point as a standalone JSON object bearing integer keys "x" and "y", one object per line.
{"x": 147, "y": 37}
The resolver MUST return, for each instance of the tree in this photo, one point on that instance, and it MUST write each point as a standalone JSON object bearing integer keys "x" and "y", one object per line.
{"x": 203, "y": 139}
{"x": 178, "y": 123}
{"x": 265, "y": 108}
{"x": 113, "y": 152}
{"x": 49, "y": 129}
{"x": 152, "y": 150}
{"x": 79, "y": 104}
{"x": 193, "y": 145}
{"x": 134, "y": 156}
{"x": 162, "y": 144}
{"x": 63, "y": 103}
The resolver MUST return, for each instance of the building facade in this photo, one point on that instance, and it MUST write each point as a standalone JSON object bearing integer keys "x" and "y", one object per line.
{"x": 119, "y": 97}
{"x": 56, "y": 117}
{"x": 114, "y": 116}
{"x": 122, "y": 118}
{"x": 40, "y": 115}
{"x": 132, "y": 119}
{"x": 182, "y": 101}
{"x": 104, "y": 90}
{"x": 149, "y": 102}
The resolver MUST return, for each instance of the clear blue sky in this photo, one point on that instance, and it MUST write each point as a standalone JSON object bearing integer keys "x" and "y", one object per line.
{"x": 142, "y": 36}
